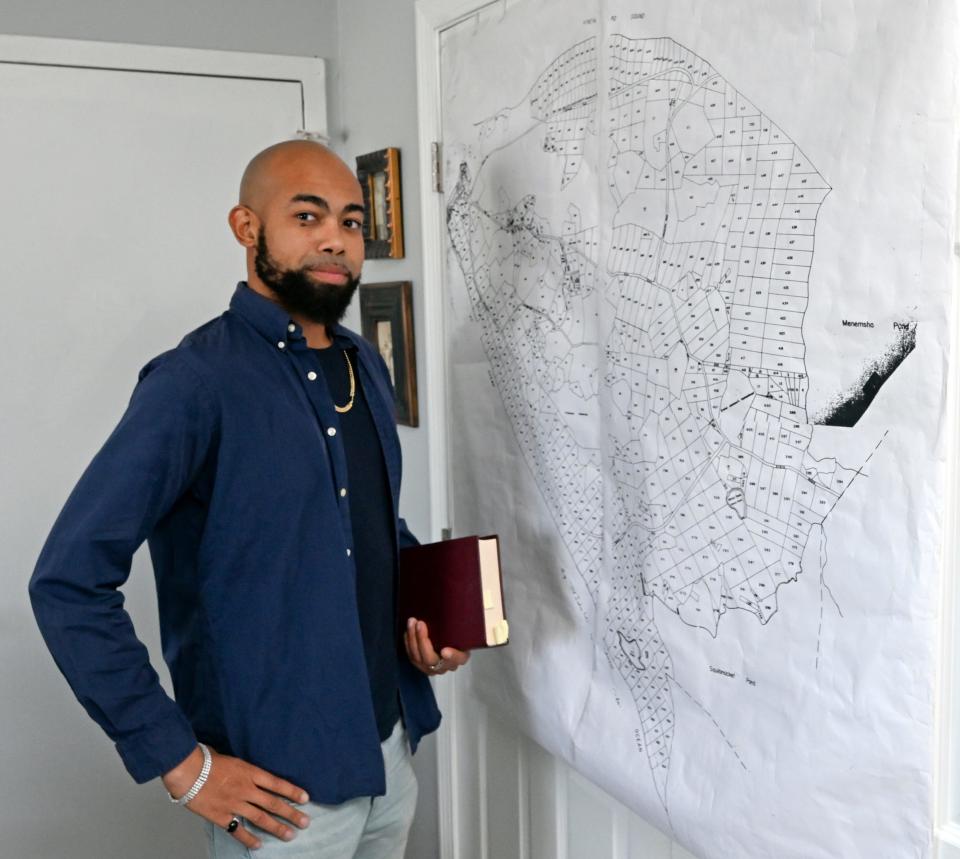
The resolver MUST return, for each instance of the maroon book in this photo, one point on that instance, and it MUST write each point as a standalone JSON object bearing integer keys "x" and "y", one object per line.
{"x": 456, "y": 588}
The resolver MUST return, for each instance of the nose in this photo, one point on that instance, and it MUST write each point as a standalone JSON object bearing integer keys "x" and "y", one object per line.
{"x": 330, "y": 240}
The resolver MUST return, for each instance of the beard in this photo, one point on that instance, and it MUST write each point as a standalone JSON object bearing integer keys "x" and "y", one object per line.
{"x": 299, "y": 294}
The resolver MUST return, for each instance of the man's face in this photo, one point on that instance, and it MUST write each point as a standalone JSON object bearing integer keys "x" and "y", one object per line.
{"x": 310, "y": 243}
{"x": 321, "y": 297}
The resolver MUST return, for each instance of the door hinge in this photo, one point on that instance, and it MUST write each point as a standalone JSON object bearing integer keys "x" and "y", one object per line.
{"x": 437, "y": 168}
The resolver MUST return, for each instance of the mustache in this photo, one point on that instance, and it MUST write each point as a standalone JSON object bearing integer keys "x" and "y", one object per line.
{"x": 326, "y": 263}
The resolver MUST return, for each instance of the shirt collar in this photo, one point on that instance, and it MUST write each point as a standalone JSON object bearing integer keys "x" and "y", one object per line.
{"x": 272, "y": 321}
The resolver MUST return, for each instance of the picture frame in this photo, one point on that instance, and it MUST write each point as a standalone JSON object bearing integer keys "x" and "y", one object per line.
{"x": 379, "y": 175}
{"x": 386, "y": 320}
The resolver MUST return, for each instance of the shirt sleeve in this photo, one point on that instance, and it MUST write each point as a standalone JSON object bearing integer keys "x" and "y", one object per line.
{"x": 406, "y": 536}
{"x": 146, "y": 464}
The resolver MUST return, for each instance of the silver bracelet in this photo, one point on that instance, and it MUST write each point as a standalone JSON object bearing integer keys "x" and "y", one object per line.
{"x": 201, "y": 779}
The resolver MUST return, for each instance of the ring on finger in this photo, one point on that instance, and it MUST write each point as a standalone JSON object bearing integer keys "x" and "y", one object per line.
{"x": 233, "y": 825}
{"x": 438, "y": 666}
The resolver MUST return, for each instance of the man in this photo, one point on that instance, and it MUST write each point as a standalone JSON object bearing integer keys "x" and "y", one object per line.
{"x": 260, "y": 461}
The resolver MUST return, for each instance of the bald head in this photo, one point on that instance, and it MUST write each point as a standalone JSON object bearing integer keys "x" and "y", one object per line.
{"x": 285, "y": 162}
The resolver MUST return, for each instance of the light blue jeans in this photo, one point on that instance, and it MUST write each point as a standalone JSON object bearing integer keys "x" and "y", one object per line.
{"x": 362, "y": 828}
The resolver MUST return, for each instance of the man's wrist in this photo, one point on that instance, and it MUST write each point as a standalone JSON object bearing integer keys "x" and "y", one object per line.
{"x": 182, "y": 777}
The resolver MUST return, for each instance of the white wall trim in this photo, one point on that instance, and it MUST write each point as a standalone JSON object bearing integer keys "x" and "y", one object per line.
{"x": 448, "y": 768}
{"x": 523, "y": 792}
{"x": 945, "y": 774}
{"x": 439, "y": 15}
{"x": 482, "y": 756}
{"x": 561, "y": 805}
{"x": 432, "y": 17}
{"x": 308, "y": 72}
{"x": 432, "y": 225}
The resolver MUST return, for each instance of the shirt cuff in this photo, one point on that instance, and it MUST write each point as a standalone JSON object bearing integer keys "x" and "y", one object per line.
{"x": 157, "y": 749}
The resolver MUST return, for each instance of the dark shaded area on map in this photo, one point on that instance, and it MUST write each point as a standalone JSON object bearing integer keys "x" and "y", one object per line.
{"x": 850, "y": 406}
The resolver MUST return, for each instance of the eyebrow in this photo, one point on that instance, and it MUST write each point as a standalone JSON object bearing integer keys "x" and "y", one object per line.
{"x": 321, "y": 203}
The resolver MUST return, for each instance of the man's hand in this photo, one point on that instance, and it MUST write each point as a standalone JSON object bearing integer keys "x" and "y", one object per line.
{"x": 421, "y": 652}
{"x": 236, "y": 788}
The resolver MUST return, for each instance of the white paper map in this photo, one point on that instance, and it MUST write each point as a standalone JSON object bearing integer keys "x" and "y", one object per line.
{"x": 700, "y": 401}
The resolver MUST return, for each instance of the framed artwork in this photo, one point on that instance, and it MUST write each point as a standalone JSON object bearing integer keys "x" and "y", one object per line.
{"x": 386, "y": 319}
{"x": 379, "y": 175}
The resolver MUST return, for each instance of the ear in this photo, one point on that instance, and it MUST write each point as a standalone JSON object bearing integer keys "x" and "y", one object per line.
{"x": 245, "y": 225}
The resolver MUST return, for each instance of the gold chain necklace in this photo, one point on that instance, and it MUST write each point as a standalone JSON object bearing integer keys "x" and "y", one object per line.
{"x": 353, "y": 386}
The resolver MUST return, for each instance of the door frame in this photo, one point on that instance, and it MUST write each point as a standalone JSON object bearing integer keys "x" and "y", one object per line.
{"x": 308, "y": 72}
{"x": 432, "y": 18}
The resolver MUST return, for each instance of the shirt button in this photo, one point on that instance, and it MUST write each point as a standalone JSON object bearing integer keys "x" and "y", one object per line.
{"x": 312, "y": 376}
{"x": 343, "y": 493}
{"x": 281, "y": 345}
{"x": 291, "y": 328}
{"x": 331, "y": 431}
{"x": 348, "y": 553}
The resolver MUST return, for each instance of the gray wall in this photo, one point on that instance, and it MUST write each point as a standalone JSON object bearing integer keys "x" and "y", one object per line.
{"x": 376, "y": 90}
{"x": 371, "y": 88}
{"x": 298, "y": 27}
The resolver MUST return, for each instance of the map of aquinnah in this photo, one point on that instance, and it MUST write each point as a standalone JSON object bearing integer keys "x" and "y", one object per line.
{"x": 652, "y": 364}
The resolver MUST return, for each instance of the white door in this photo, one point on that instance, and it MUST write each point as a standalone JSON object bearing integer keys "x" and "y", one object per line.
{"x": 118, "y": 165}
{"x": 502, "y": 796}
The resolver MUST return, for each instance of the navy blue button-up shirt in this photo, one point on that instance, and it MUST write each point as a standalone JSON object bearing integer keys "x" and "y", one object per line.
{"x": 229, "y": 462}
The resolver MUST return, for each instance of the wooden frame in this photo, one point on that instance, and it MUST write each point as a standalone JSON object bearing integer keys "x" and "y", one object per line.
{"x": 379, "y": 175}
{"x": 386, "y": 319}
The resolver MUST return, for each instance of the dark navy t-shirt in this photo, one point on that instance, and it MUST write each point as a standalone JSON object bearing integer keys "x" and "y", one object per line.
{"x": 373, "y": 538}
